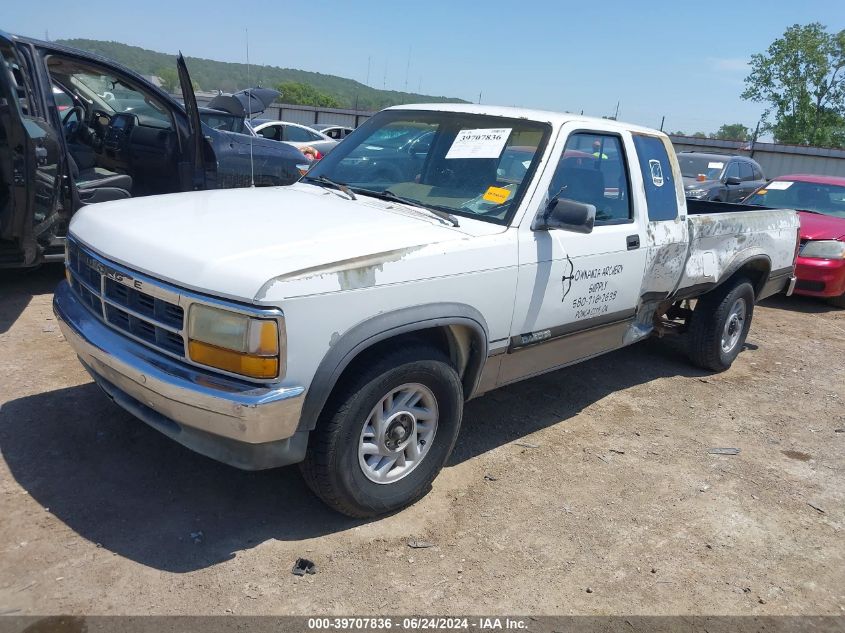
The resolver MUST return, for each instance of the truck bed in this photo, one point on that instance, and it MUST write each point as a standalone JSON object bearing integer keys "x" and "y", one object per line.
{"x": 725, "y": 237}
{"x": 699, "y": 207}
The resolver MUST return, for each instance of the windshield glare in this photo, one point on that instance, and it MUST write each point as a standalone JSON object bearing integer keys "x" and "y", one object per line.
{"x": 695, "y": 166}
{"x": 804, "y": 196}
{"x": 466, "y": 164}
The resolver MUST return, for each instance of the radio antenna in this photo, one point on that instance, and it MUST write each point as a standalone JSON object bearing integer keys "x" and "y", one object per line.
{"x": 249, "y": 114}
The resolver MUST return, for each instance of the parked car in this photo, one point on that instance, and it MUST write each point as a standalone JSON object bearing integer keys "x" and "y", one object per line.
{"x": 719, "y": 177}
{"x": 342, "y": 324}
{"x": 394, "y": 154}
{"x": 78, "y": 129}
{"x": 299, "y": 136}
{"x": 821, "y": 201}
{"x": 337, "y": 132}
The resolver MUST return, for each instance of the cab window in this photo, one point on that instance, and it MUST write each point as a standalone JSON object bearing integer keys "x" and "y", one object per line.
{"x": 746, "y": 172}
{"x": 732, "y": 171}
{"x": 592, "y": 170}
{"x": 18, "y": 80}
{"x": 298, "y": 135}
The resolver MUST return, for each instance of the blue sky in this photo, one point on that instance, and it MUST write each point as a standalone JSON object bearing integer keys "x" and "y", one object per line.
{"x": 680, "y": 59}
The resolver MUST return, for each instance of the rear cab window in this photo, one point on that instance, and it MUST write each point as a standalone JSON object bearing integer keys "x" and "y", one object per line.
{"x": 660, "y": 187}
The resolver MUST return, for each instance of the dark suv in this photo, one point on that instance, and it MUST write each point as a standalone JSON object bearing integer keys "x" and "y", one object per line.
{"x": 77, "y": 129}
{"x": 719, "y": 177}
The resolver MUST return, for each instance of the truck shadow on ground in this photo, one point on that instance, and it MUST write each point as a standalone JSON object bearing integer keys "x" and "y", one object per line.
{"x": 124, "y": 486}
{"x": 18, "y": 287}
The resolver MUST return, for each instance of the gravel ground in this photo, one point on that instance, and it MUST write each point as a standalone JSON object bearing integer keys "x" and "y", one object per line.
{"x": 589, "y": 490}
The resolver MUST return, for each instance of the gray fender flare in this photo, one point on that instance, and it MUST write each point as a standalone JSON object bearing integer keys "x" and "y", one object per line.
{"x": 385, "y": 326}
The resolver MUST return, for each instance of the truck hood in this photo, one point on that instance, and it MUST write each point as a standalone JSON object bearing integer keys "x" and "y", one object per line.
{"x": 231, "y": 242}
{"x": 815, "y": 226}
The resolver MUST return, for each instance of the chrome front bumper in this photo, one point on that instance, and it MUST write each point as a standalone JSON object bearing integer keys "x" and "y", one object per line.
{"x": 790, "y": 288}
{"x": 245, "y": 425}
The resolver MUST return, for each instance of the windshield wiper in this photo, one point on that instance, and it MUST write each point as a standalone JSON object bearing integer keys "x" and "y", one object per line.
{"x": 337, "y": 185}
{"x": 387, "y": 194}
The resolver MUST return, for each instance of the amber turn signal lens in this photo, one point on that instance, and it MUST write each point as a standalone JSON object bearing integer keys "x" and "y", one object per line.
{"x": 237, "y": 363}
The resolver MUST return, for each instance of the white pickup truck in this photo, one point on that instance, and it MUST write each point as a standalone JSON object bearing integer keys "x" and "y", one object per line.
{"x": 440, "y": 251}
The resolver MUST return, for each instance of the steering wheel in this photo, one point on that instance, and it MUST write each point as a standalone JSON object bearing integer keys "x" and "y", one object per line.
{"x": 73, "y": 129}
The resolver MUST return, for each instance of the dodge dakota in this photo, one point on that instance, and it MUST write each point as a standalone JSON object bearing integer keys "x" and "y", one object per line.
{"x": 343, "y": 321}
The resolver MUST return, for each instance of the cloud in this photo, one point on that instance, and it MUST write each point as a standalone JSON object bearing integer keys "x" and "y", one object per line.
{"x": 728, "y": 64}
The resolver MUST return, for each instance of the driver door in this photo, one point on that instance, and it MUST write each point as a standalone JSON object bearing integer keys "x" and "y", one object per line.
{"x": 195, "y": 163}
{"x": 30, "y": 164}
{"x": 578, "y": 291}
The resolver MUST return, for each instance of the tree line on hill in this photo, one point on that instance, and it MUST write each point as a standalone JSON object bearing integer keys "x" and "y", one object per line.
{"x": 297, "y": 86}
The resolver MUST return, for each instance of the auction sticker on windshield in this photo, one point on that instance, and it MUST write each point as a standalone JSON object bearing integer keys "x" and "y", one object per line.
{"x": 496, "y": 194}
{"x": 481, "y": 143}
{"x": 715, "y": 165}
{"x": 779, "y": 185}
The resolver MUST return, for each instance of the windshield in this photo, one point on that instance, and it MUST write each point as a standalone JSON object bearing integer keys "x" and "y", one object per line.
{"x": 701, "y": 167}
{"x": 804, "y": 196}
{"x": 112, "y": 95}
{"x": 465, "y": 164}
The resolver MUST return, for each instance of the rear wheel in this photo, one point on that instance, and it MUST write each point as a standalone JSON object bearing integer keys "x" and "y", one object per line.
{"x": 720, "y": 324}
{"x": 385, "y": 435}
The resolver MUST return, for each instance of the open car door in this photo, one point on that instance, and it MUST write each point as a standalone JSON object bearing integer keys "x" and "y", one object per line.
{"x": 29, "y": 165}
{"x": 196, "y": 143}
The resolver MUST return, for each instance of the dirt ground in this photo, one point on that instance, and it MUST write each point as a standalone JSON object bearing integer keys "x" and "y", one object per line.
{"x": 597, "y": 476}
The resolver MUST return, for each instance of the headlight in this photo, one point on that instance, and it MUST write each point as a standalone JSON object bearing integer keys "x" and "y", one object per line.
{"x": 824, "y": 249}
{"x": 233, "y": 342}
{"x": 696, "y": 193}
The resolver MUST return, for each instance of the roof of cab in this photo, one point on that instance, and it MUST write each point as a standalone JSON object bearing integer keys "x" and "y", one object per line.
{"x": 546, "y": 116}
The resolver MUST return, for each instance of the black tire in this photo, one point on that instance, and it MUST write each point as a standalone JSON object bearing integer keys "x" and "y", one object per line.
{"x": 839, "y": 301}
{"x": 708, "y": 325}
{"x": 331, "y": 467}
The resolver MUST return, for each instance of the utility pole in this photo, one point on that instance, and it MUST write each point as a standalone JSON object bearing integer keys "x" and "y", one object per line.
{"x": 616, "y": 114}
{"x": 408, "y": 68}
{"x": 479, "y": 98}
{"x": 662, "y": 121}
{"x": 754, "y": 139}
{"x": 369, "y": 59}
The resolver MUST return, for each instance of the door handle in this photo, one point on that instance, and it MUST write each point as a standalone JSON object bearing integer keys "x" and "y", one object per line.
{"x": 633, "y": 242}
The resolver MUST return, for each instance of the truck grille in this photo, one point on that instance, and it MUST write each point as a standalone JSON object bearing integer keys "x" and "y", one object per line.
{"x": 103, "y": 288}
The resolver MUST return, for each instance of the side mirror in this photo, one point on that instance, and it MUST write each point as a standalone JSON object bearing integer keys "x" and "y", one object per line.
{"x": 567, "y": 215}
{"x": 732, "y": 180}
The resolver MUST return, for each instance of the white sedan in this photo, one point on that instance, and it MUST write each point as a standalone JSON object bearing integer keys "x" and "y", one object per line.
{"x": 297, "y": 135}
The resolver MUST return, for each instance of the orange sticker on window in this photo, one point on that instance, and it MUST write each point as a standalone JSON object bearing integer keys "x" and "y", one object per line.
{"x": 496, "y": 194}
{"x": 762, "y": 192}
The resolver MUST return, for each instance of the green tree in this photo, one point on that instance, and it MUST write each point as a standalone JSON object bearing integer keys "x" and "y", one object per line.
{"x": 801, "y": 78}
{"x": 299, "y": 93}
{"x": 699, "y": 135}
{"x": 732, "y": 132}
{"x": 169, "y": 79}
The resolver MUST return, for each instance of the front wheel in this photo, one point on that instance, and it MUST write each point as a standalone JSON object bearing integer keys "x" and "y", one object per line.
{"x": 385, "y": 436}
{"x": 839, "y": 301}
{"x": 720, "y": 324}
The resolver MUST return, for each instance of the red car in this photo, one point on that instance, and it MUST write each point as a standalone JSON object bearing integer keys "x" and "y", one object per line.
{"x": 821, "y": 201}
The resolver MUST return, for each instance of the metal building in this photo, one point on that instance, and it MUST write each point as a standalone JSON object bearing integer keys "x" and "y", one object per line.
{"x": 776, "y": 159}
